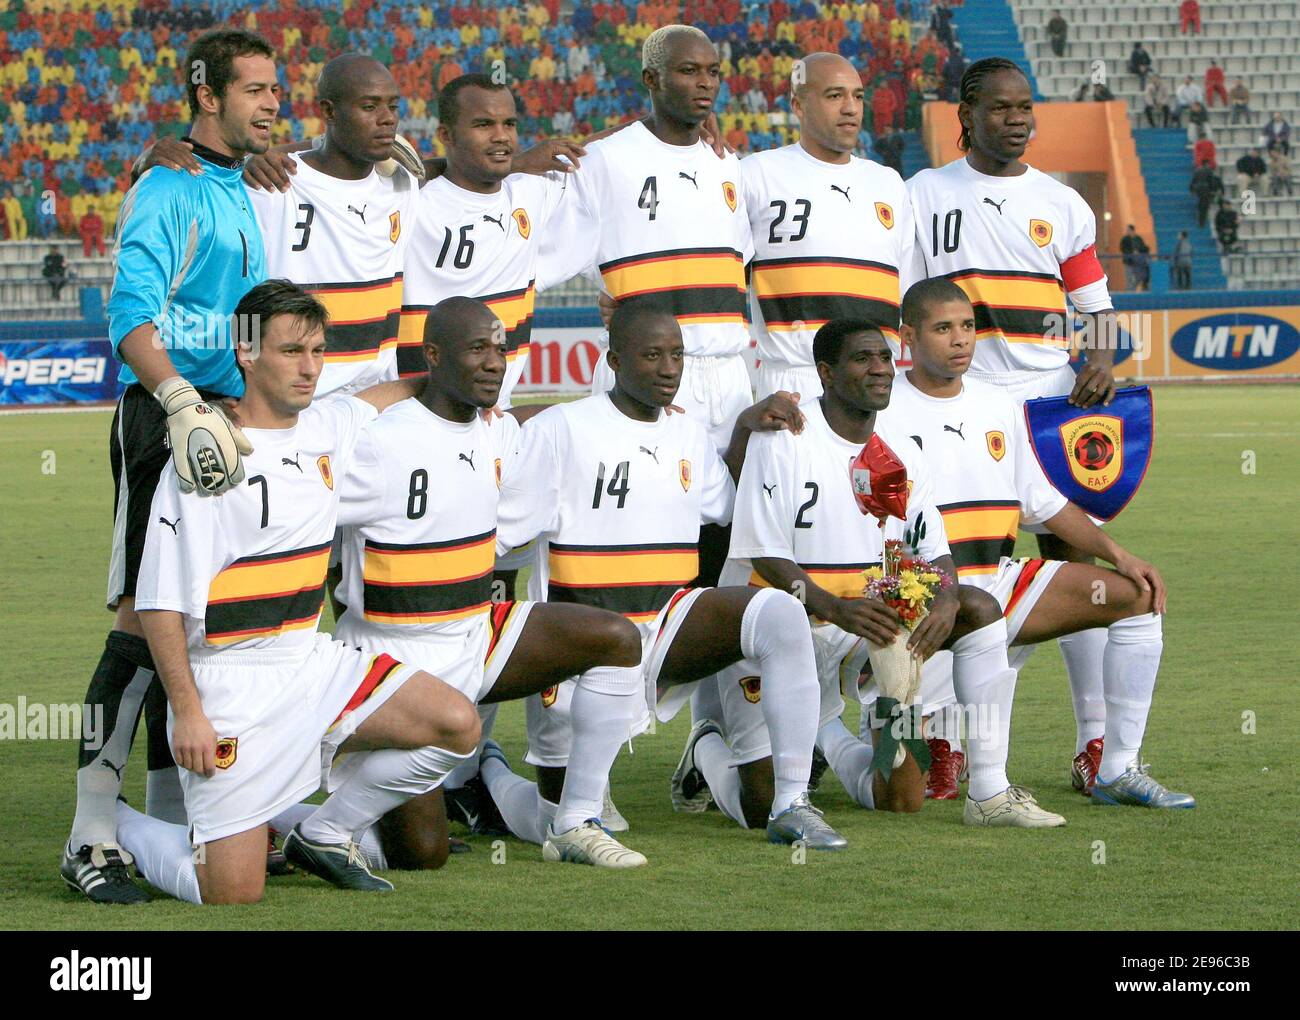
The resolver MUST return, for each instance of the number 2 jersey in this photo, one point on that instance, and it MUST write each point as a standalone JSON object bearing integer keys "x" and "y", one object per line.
{"x": 419, "y": 518}
{"x": 617, "y": 504}
{"x": 830, "y": 241}
{"x": 1016, "y": 246}
{"x": 986, "y": 477}
{"x": 481, "y": 246}
{"x": 665, "y": 224}
{"x": 795, "y": 502}
{"x": 344, "y": 242}
{"x": 247, "y": 569}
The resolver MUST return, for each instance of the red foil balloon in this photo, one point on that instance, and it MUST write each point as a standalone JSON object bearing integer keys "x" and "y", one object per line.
{"x": 879, "y": 481}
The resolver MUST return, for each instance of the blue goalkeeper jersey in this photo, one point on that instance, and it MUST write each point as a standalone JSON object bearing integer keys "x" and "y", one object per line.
{"x": 187, "y": 249}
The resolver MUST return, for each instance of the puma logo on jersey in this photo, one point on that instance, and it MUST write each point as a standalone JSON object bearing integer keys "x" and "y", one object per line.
{"x": 842, "y": 191}
{"x": 360, "y": 212}
{"x": 170, "y": 524}
{"x": 495, "y": 219}
{"x": 689, "y": 177}
{"x": 652, "y": 454}
{"x": 769, "y": 489}
{"x": 996, "y": 205}
{"x": 293, "y": 463}
{"x": 919, "y": 444}
{"x": 962, "y": 425}
{"x": 468, "y": 460}
{"x": 115, "y": 769}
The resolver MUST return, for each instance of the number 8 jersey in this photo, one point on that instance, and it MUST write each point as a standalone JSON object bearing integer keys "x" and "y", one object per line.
{"x": 1016, "y": 246}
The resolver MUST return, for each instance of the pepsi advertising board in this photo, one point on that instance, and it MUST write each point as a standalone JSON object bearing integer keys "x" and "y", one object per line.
{"x": 58, "y": 372}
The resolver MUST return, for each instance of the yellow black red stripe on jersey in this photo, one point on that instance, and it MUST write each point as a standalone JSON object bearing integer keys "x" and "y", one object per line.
{"x": 432, "y": 582}
{"x": 363, "y": 317}
{"x": 635, "y": 580}
{"x": 513, "y": 307}
{"x": 843, "y": 580}
{"x": 980, "y": 532}
{"x": 697, "y": 285}
{"x": 1020, "y": 308}
{"x": 263, "y": 596}
{"x": 812, "y": 291}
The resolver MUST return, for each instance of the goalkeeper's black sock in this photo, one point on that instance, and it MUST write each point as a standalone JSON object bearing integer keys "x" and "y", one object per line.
{"x": 113, "y": 704}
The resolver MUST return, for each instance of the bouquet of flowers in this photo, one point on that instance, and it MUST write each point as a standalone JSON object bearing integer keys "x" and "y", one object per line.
{"x": 907, "y": 584}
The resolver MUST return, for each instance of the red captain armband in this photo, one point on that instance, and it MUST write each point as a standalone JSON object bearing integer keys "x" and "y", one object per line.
{"x": 1082, "y": 269}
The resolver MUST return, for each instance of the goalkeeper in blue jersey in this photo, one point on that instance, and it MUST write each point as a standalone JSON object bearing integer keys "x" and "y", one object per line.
{"x": 187, "y": 250}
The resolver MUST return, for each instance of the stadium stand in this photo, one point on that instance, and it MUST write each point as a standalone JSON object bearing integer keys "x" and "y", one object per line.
{"x": 1253, "y": 41}
{"x": 85, "y": 84}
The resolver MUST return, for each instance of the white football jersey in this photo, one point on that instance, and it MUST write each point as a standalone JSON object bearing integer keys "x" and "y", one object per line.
{"x": 344, "y": 241}
{"x": 480, "y": 246}
{"x": 795, "y": 502}
{"x": 830, "y": 242}
{"x": 665, "y": 224}
{"x": 617, "y": 504}
{"x": 1015, "y": 245}
{"x": 247, "y": 569}
{"x": 986, "y": 477}
{"x": 419, "y": 517}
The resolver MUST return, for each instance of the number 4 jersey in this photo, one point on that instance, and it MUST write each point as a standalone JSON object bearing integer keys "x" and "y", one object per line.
{"x": 1016, "y": 246}
{"x": 795, "y": 502}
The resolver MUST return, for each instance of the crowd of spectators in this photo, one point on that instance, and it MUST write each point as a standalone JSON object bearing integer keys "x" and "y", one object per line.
{"x": 85, "y": 84}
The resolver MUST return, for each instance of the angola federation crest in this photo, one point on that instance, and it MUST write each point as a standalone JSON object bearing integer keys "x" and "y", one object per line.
{"x": 886, "y": 215}
{"x": 997, "y": 444}
{"x": 1040, "y": 232}
{"x": 394, "y": 226}
{"x": 752, "y": 688}
{"x": 549, "y": 695}
{"x": 525, "y": 225}
{"x": 684, "y": 474}
{"x": 227, "y": 752}
{"x": 326, "y": 474}
{"x": 729, "y": 195}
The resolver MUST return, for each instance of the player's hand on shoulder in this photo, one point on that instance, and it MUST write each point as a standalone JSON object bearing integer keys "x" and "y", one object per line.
{"x": 1146, "y": 577}
{"x": 194, "y": 743}
{"x": 607, "y": 306}
{"x": 711, "y": 135}
{"x": 171, "y": 154}
{"x": 270, "y": 170}
{"x": 1095, "y": 384}
{"x": 207, "y": 449}
{"x": 933, "y": 631}
{"x": 553, "y": 154}
{"x": 867, "y": 618}
{"x": 777, "y": 413}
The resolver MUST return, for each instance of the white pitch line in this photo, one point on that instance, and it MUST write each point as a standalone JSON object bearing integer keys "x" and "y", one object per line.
{"x": 56, "y": 409}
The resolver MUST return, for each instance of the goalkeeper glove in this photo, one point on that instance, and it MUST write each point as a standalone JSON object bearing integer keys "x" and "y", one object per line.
{"x": 206, "y": 447}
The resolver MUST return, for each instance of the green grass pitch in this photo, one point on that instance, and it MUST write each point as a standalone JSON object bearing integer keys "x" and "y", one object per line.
{"x": 1224, "y": 537}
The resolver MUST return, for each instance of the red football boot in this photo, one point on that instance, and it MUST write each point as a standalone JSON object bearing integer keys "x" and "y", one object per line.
{"x": 1086, "y": 765}
{"x": 945, "y": 768}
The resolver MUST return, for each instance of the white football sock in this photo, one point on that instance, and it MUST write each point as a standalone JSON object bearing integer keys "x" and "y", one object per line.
{"x": 162, "y": 852}
{"x": 713, "y": 759}
{"x": 850, "y": 760}
{"x": 372, "y": 849}
{"x": 1083, "y": 653}
{"x": 467, "y": 770}
{"x": 706, "y": 701}
{"x": 606, "y": 702}
{"x": 290, "y": 817}
{"x": 379, "y": 782}
{"x": 774, "y": 632}
{"x": 516, "y": 798}
{"x": 986, "y": 685}
{"x": 1130, "y": 665}
{"x": 163, "y": 797}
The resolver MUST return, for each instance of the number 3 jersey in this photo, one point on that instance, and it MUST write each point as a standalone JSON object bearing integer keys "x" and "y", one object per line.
{"x": 986, "y": 477}
{"x": 1015, "y": 245}
{"x": 618, "y": 504}
{"x": 481, "y": 246}
{"x": 345, "y": 242}
{"x": 419, "y": 519}
{"x": 830, "y": 241}
{"x": 665, "y": 224}
{"x": 795, "y": 502}
{"x": 247, "y": 568}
